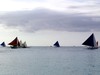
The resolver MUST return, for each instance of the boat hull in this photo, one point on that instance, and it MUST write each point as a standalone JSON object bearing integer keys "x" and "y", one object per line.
{"x": 92, "y": 48}
{"x": 14, "y": 47}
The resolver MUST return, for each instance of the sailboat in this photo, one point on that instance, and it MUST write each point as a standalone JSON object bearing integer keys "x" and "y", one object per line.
{"x": 3, "y": 44}
{"x": 20, "y": 44}
{"x": 24, "y": 45}
{"x": 56, "y": 44}
{"x": 91, "y": 42}
{"x": 15, "y": 43}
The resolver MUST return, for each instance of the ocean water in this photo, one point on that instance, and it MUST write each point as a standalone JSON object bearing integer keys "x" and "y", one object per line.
{"x": 49, "y": 61}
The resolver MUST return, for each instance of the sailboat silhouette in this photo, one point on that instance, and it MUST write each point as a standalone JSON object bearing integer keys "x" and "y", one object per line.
{"x": 91, "y": 42}
{"x": 15, "y": 43}
{"x": 3, "y": 44}
{"x": 56, "y": 44}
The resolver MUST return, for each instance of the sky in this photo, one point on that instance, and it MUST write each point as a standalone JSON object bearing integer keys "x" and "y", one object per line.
{"x": 43, "y": 22}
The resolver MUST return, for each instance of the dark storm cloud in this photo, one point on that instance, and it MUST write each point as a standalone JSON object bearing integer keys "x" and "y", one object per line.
{"x": 42, "y": 19}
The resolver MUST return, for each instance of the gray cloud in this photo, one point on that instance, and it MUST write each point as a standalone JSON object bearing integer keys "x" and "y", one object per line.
{"x": 42, "y": 19}
{"x": 30, "y": 0}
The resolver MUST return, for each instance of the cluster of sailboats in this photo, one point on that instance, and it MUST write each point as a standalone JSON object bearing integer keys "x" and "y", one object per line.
{"x": 15, "y": 44}
{"x": 90, "y": 42}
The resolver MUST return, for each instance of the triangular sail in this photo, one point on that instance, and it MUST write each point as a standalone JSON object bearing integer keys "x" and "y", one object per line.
{"x": 24, "y": 45}
{"x": 15, "y": 42}
{"x": 57, "y": 44}
{"x": 20, "y": 43}
{"x": 91, "y": 41}
{"x": 3, "y": 44}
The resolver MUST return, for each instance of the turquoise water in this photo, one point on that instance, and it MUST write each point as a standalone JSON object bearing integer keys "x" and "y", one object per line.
{"x": 49, "y": 61}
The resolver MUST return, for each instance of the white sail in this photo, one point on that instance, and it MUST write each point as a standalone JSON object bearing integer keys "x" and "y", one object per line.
{"x": 95, "y": 43}
{"x": 21, "y": 43}
{"x": 24, "y": 45}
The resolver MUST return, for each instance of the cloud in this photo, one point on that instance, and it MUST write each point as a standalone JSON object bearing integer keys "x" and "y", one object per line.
{"x": 89, "y": 7}
{"x": 71, "y": 6}
{"x": 44, "y": 19}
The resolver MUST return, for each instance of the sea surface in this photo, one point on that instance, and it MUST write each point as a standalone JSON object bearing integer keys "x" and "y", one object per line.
{"x": 49, "y": 61}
